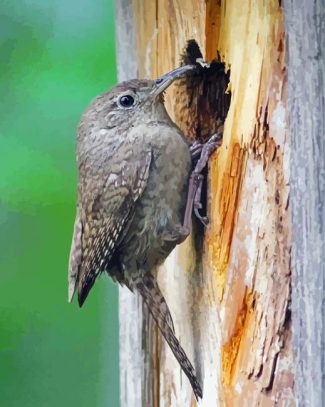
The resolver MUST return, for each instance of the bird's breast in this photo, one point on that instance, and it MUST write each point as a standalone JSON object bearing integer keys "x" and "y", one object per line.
{"x": 163, "y": 201}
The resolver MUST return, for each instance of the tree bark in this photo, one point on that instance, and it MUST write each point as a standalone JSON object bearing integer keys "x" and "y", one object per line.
{"x": 305, "y": 29}
{"x": 229, "y": 287}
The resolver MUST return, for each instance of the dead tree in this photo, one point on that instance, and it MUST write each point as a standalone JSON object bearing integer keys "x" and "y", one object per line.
{"x": 238, "y": 312}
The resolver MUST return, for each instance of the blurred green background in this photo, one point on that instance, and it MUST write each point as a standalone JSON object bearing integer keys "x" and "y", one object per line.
{"x": 55, "y": 56}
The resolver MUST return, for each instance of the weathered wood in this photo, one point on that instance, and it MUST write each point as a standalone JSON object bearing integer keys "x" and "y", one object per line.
{"x": 230, "y": 294}
{"x": 134, "y": 366}
{"x": 305, "y": 28}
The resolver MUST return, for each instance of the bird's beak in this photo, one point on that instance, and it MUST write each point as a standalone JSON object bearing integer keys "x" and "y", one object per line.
{"x": 166, "y": 80}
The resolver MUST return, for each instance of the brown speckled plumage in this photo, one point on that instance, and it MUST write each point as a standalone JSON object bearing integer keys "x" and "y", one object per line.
{"x": 134, "y": 166}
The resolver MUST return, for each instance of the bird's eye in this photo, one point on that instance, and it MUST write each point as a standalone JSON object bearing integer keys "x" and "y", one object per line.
{"x": 126, "y": 101}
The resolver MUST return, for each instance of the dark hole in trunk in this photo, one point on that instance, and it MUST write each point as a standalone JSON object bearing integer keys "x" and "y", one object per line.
{"x": 204, "y": 99}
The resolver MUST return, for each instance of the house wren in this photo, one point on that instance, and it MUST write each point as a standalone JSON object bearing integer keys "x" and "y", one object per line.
{"x": 135, "y": 195}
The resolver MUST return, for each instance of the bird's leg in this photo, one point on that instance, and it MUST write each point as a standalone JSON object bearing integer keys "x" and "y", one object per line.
{"x": 208, "y": 148}
{"x": 195, "y": 185}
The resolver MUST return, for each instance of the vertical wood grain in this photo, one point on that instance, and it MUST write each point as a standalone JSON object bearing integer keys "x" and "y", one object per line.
{"x": 304, "y": 21}
{"x": 230, "y": 293}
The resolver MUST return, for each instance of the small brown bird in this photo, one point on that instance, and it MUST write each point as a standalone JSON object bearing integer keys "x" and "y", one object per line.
{"x": 135, "y": 195}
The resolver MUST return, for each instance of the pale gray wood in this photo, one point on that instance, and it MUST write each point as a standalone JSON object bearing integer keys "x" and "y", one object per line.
{"x": 305, "y": 27}
{"x": 134, "y": 322}
{"x": 125, "y": 35}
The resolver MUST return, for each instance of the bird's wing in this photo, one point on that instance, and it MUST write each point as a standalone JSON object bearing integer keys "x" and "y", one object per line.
{"x": 106, "y": 215}
{"x": 75, "y": 256}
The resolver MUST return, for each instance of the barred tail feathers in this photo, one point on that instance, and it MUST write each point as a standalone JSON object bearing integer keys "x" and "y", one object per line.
{"x": 156, "y": 303}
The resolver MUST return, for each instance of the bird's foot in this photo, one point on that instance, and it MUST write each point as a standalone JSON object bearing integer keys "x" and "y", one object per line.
{"x": 196, "y": 179}
{"x": 196, "y": 149}
{"x": 207, "y": 149}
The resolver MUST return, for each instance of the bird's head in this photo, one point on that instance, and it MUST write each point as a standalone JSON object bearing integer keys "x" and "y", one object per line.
{"x": 131, "y": 102}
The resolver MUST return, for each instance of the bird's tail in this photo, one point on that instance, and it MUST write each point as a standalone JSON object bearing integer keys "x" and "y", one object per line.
{"x": 152, "y": 296}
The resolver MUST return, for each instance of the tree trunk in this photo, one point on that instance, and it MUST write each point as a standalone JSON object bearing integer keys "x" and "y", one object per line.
{"x": 306, "y": 114}
{"x": 229, "y": 287}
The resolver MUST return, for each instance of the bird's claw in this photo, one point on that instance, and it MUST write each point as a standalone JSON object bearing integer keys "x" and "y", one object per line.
{"x": 215, "y": 138}
{"x": 196, "y": 149}
{"x": 193, "y": 203}
{"x": 206, "y": 151}
{"x": 204, "y": 219}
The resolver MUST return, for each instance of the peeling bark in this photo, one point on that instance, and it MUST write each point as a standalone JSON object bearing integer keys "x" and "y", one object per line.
{"x": 229, "y": 287}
